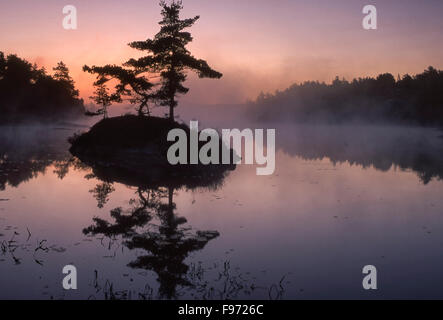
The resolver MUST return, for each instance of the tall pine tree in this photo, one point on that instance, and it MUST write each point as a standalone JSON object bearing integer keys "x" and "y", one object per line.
{"x": 168, "y": 56}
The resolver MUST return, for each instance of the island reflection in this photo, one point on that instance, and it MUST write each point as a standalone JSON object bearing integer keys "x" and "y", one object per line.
{"x": 167, "y": 244}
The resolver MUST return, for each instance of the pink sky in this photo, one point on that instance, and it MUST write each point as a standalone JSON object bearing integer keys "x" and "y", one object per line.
{"x": 258, "y": 46}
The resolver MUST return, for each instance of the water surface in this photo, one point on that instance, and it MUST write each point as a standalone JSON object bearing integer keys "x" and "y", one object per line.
{"x": 341, "y": 197}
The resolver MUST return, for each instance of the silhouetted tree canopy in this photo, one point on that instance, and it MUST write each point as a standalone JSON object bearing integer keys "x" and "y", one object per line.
{"x": 29, "y": 92}
{"x": 167, "y": 58}
{"x": 130, "y": 83}
{"x": 410, "y": 99}
{"x": 61, "y": 74}
{"x": 103, "y": 99}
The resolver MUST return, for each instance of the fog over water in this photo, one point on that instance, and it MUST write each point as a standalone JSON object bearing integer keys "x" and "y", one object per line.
{"x": 341, "y": 197}
{"x": 352, "y": 90}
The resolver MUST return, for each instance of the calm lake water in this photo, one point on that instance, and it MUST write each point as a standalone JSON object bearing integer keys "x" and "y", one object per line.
{"x": 341, "y": 197}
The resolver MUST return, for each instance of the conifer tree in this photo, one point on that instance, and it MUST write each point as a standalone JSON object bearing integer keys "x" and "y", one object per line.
{"x": 168, "y": 56}
{"x": 102, "y": 98}
{"x": 61, "y": 74}
{"x": 130, "y": 83}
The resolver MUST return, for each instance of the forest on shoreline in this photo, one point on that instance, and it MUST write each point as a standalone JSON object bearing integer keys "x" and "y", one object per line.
{"x": 416, "y": 100}
{"x": 30, "y": 93}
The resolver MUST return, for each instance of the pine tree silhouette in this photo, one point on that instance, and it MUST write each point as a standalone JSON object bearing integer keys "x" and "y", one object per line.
{"x": 103, "y": 99}
{"x": 131, "y": 83}
{"x": 61, "y": 74}
{"x": 169, "y": 57}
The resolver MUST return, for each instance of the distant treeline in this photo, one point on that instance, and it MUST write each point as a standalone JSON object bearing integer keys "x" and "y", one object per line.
{"x": 28, "y": 92}
{"x": 409, "y": 99}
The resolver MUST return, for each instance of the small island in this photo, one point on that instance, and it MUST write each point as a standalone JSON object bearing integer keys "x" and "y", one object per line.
{"x": 138, "y": 143}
